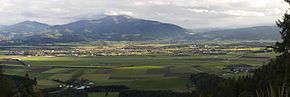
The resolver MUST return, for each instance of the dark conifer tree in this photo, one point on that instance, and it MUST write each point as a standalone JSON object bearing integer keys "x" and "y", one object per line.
{"x": 1, "y": 71}
{"x": 7, "y": 86}
{"x": 284, "y": 46}
{"x": 284, "y": 25}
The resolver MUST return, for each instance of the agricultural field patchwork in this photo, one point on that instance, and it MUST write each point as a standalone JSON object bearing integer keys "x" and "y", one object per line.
{"x": 136, "y": 72}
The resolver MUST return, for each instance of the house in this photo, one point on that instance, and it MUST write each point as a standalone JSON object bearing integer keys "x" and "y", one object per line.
{"x": 237, "y": 68}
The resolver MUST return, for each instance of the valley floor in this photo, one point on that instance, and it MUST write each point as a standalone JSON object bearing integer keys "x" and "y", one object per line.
{"x": 136, "y": 72}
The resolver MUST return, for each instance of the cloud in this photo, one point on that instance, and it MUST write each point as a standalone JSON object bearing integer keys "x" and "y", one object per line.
{"x": 119, "y": 12}
{"x": 239, "y": 13}
{"x": 186, "y": 13}
{"x": 243, "y": 13}
{"x": 199, "y": 10}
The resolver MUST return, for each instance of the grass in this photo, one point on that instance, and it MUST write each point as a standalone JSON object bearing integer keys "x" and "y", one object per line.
{"x": 96, "y": 77}
{"x": 114, "y": 60}
{"x": 271, "y": 92}
{"x": 173, "y": 83}
{"x": 113, "y": 94}
{"x": 270, "y": 54}
{"x": 244, "y": 49}
{"x": 132, "y": 66}
{"x": 19, "y": 72}
{"x": 40, "y": 76}
{"x": 159, "y": 84}
{"x": 129, "y": 72}
{"x": 62, "y": 77}
{"x": 47, "y": 83}
{"x": 141, "y": 67}
{"x": 55, "y": 70}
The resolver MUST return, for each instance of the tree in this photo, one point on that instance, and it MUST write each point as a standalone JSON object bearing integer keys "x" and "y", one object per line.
{"x": 284, "y": 46}
{"x": 7, "y": 86}
{"x": 1, "y": 71}
{"x": 28, "y": 89}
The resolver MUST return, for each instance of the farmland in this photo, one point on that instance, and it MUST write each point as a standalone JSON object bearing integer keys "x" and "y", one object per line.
{"x": 141, "y": 72}
{"x": 132, "y": 70}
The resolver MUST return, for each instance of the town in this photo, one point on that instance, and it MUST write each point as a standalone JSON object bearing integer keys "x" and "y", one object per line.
{"x": 135, "y": 48}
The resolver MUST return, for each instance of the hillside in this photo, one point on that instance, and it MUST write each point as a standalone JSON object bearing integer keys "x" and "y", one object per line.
{"x": 113, "y": 28}
{"x": 23, "y": 29}
{"x": 251, "y": 33}
{"x": 125, "y": 28}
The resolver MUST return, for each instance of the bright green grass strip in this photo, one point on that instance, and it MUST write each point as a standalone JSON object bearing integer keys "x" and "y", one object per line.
{"x": 40, "y": 76}
{"x": 112, "y": 94}
{"x": 17, "y": 71}
{"x": 63, "y": 77}
{"x": 55, "y": 70}
{"x": 128, "y": 72}
{"x": 116, "y": 60}
{"x": 47, "y": 83}
{"x": 141, "y": 67}
{"x": 268, "y": 54}
{"x": 96, "y": 77}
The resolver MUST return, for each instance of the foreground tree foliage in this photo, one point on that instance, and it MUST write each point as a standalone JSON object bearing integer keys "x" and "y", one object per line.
{"x": 68, "y": 93}
{"x": 138, "y": 93}
{"x": 15, "y": 86}
{"x": 7, "y": 86}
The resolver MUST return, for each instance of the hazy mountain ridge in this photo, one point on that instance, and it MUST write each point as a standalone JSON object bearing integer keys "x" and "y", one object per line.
{"x": 125, "y": 28}
{"x": 112, "y": 28}
{"x": 23, "y": 29}
{"x": 250, "y": 33}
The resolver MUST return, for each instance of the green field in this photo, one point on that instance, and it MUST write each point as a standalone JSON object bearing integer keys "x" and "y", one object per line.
{"x": 136, "y": 72}
{"x": 103, "y": 95}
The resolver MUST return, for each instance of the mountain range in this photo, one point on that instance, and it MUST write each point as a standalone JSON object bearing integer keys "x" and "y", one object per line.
{"x": 21, "y": 30}
{"x": 124, "y": 28}
{"x": 113, "y": 28}
{"x": 250, "y": 33}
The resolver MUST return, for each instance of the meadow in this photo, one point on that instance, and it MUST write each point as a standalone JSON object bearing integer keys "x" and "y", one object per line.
{"x": 136, "y": 72}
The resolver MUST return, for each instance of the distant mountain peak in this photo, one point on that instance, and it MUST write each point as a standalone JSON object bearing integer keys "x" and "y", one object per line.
{"x": 112, "y": 28}
{"x": 24, "y": 27}
{"x": 31, "y": 23}
{"x": 249, "y": 33}
{"x": 28, "y": 21}
{"x": 115, "y": 19}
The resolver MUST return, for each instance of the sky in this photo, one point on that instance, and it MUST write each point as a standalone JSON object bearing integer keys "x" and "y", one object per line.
{"x": 192, "y": 14}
